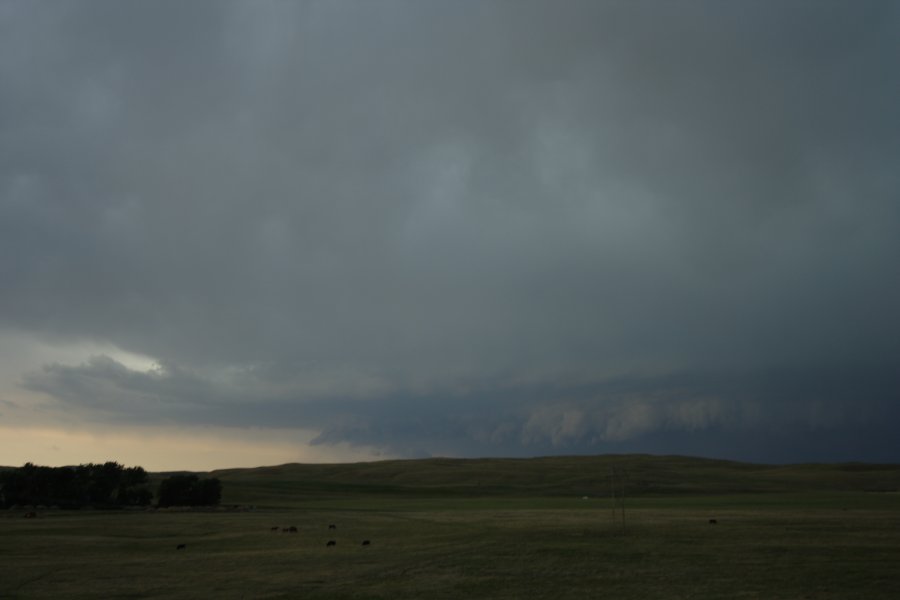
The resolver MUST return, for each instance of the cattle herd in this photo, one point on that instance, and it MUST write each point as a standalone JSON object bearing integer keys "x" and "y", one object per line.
{"x": 293, "y": 529}
{"x": 328, "y": 544}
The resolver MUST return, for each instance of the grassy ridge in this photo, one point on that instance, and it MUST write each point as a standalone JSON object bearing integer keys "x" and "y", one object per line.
{"x": 776, "y": 550}
{"x": 547, "y": 477}
{"x": 490, "y": 528}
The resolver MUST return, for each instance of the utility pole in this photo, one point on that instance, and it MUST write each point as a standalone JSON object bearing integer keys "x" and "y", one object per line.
{"x": 623, "y": 504}
{"x": 612, "y": 491}
{"x": 618, "y": 501}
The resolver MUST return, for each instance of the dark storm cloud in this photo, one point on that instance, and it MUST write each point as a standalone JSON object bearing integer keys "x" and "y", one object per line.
{"x": 766, "y": 415}
{"x": 352, "y": 215}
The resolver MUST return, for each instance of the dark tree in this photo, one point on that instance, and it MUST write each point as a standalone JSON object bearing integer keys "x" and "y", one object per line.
{"x": 209, "y": 492}
{"x": 104, "y": 480}
{"x": 175, "y": 490}
{"x": 132, "y": 488}
{"x": 107, "y": 485}
{"x": 189, "y": 490}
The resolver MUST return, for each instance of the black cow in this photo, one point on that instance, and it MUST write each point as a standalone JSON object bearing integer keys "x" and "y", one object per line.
{"x": 366, "y": 542}
{"x": 292, "y": 529}
{"x": 331, "y": 543}
{"x": 332, "y": 526}
{"x": 181, "y": 546}
{"x": 713, "y": 522}
{"x": 276, "y": 528}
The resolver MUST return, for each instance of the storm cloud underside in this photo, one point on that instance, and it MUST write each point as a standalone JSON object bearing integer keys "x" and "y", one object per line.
{"x": 462, "y": 228}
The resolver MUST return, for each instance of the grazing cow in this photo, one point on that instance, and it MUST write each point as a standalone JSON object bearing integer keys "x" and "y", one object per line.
{"x": 276, "y": 528}
{"x": 292, "y": 529}
{"x": 712, "y": 521}
{"x": 331, "y": 543}
{"x": 181, "y": 546}
{"x": 332, "y": 526}
{"x": 366, "y": 542}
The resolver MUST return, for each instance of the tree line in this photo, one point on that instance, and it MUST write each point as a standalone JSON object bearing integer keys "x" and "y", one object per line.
{"x": 107, "y": 485}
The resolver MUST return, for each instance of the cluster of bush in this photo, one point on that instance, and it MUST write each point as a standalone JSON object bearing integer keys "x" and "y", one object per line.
{"x": 107, "y": 485}
{"x": 189, "y": 490}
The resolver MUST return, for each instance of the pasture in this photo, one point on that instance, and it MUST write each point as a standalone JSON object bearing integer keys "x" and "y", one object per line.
{"x": 796, "y": 544}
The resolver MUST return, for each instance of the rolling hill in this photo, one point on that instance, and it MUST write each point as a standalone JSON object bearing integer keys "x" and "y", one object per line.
{"x": 564, "y": 476}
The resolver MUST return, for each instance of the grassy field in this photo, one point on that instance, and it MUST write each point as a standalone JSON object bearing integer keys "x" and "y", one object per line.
{"x": 464, "y": 536}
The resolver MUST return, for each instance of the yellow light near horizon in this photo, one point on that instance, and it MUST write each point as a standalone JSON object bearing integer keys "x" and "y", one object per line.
{"x": 169, "y": 449}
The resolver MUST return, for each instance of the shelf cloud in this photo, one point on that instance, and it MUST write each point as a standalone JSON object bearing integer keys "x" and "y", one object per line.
{"x": 468, "y": 228}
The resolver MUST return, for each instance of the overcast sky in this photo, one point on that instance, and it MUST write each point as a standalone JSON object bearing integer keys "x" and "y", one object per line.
{"x": 242, "y": 233}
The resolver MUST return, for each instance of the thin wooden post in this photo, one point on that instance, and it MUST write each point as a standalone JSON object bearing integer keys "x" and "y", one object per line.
{"x": 612, "y": 491}
{"x": 623, "y": 504}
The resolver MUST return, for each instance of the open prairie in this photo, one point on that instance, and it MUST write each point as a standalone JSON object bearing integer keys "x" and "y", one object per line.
{"x": 527, "y": 534}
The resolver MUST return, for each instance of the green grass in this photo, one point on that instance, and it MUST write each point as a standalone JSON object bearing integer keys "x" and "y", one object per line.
{"x": 298, "y": 485}
{"x": 509, "y": 550}
{"x": 450, "y": 531}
